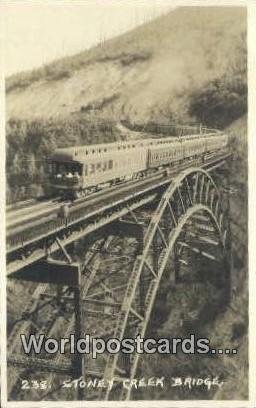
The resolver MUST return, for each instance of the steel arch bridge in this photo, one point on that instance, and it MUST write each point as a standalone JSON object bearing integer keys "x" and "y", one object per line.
{"x": 191, "y": 216}
{"x": 192, "y": 197}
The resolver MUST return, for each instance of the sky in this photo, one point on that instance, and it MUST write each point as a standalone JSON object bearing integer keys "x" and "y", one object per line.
{"x": 35, "y": 32}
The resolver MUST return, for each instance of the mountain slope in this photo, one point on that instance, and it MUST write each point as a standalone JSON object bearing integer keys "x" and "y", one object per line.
{"x": 146, "y": 74}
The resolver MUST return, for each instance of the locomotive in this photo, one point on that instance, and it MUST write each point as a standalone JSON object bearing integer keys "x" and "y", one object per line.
{"x": 78, "y": 171}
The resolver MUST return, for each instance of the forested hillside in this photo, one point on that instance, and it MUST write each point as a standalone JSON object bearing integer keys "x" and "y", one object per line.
{"x": 189, "y": 65}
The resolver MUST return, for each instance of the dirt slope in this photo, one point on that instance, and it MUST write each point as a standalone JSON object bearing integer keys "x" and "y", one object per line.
{"x": 145, "y": 74}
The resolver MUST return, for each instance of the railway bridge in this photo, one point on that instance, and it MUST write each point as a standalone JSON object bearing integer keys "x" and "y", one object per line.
{"x": 99, "y": 270}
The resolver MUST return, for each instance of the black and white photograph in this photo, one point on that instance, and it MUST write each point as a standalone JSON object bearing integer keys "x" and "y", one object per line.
{"x": 126, "y": 203}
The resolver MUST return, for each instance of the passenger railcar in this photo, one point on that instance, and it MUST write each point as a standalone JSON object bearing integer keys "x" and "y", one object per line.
{"x": 79, "y": 170}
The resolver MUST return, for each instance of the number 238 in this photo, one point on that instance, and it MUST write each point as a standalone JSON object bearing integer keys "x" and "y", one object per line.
{"x": 34, "y": 384}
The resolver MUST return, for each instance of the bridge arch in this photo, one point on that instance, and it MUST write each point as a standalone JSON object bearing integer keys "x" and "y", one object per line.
{"x": 191, "y": 205}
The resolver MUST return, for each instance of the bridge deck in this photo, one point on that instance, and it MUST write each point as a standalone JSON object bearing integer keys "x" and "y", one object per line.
{"x": 88, "y": 215}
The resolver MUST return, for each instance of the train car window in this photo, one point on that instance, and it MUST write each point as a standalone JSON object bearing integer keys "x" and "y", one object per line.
{"x": 76, "y": 168}
{"x": 105, "y": 150}
{"x": 62, "y": 168}
{"x": 110, "y": 164}
{"x": 92, "y": 168}
{"x": 85, "y": 169}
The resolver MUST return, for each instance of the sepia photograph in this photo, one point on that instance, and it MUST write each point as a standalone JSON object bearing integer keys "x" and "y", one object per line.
{"x": 126, "y": 203}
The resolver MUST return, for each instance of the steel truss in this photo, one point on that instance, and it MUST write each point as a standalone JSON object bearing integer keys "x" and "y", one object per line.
{"x": 118, "y": 284}
{"x": 192, "y": 197}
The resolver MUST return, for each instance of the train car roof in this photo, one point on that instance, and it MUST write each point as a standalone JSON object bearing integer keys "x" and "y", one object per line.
{"x": 78, "y": 153}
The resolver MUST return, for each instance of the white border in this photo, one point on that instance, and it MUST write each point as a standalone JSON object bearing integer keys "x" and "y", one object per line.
{"x": 3, "y": 305}
{"x": 251, "y": 403}
{"x": 133, "y": 404}
{"x": 252, "y": 196}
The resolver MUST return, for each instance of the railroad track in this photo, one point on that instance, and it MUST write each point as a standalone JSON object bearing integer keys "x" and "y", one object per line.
{"x": 35, "y": 220}
{"x": 20, "y": 204}
{"x": 30, "y": 211}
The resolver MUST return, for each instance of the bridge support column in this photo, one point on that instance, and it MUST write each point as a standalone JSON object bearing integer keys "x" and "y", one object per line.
{"x": 176, "y": 274}
{"x": 142, "y": 294}
{"x": 61, "y": 273}
{"x": 156, "y": 253}
{"x": 79, "y": 361}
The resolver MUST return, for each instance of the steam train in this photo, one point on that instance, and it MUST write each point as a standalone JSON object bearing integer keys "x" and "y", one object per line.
{"x": 77, "y": 171}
